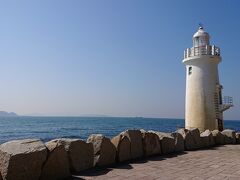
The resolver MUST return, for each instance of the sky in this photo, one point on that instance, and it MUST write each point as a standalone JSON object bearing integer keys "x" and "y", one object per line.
{"x": 106, "y": 57}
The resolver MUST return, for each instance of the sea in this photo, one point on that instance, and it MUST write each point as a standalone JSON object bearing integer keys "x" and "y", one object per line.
{"x": 48, "y": 128}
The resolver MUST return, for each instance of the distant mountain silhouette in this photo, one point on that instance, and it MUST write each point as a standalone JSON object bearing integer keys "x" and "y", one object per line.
{"x": 4, "y": 114}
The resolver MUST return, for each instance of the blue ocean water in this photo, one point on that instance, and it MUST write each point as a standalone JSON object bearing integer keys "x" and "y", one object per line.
{"x": 47, "y": 128}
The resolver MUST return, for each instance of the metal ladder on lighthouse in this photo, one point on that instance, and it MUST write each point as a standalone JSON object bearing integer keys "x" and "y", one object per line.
{"x": 217, "y": 111}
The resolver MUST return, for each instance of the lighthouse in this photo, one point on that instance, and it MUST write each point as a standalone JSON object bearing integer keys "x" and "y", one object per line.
{"x": 204, "y": 103}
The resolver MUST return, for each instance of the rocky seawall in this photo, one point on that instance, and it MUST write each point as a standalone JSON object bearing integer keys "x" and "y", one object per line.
{"x": 31, "y": 159}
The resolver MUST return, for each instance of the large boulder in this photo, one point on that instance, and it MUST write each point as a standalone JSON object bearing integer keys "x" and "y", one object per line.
{"x": 135, "y": 138}
{"x": 80, "y": 153}
{"x": 238, "y": 138}
{"x": 123, "y": 147}
{"x": 57, "y": 165}
{"x": 167, "y": 142}
{"x": 229, "y": 136}
{"x": 179, "y": 142}
{"x": 22, "y": 159}
{"x": 151, "y": 144}
{"x": 218, "y": 137}
{"x": 104, "y": 150}
{"x": 192, "y": 140}
{"x": 207, "y": 139}
{"x": 196, "y": 137}
{"x": 188, "y": 139}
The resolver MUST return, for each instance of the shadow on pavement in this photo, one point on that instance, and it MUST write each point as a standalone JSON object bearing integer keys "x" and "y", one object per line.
{"x": 166, "y": 156}
{"x": 91, "y": 172}
{"x": 98, "y": 171}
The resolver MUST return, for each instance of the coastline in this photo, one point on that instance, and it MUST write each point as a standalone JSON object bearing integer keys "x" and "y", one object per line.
{"x": 47, "y": 128}
{"x": 62, "y": 158}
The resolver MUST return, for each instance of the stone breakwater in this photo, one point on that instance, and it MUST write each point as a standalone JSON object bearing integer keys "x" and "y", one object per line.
{"x": 31, "y": 159}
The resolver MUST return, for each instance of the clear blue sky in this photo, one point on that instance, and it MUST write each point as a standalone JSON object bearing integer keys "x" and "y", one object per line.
{"x": 119, "y": 58}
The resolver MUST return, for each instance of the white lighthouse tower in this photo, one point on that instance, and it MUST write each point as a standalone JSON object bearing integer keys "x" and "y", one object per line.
{"x": 204, "y": 103}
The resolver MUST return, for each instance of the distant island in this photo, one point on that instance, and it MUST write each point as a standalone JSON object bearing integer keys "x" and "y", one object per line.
{"x": 7, "y": 114}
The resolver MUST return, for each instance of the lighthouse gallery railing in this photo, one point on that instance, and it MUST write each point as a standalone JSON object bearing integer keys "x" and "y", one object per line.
{"x": 202, "y": 50}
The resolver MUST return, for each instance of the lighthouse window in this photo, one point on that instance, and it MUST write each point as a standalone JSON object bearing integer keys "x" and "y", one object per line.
{"x": 189, "y": 70}
{"x": 196, "y": 42}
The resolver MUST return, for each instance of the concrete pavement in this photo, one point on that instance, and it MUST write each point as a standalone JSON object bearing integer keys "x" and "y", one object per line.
{"x": 217, "y": 163}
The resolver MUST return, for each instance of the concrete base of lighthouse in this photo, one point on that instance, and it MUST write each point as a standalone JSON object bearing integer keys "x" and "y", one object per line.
{"x": 202, "y": 80}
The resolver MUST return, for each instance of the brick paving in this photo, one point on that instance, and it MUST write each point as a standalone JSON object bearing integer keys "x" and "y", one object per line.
{"x": 216, "y": 163}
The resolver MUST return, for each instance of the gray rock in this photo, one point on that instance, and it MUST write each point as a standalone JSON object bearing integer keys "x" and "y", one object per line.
{"x": 123, "y": 147}
{"x": 229, "y": 136}
{"x": 151, "y": 143}
{"x": 218, "y": 137}
{"x": 22, "y": 159}
{"x": 211, "y": 138}
{"x": 192, "y": 140}
{"x": 135, "y": 138}
{"x": 57, "y": 165}
{"x": 80, "y": 154}
{"x": 207, "y": 139}
{"x": 237, "y": 138}
{"x": 167, "y": 142}
{"x": 179, "y": 142}
{"x": 196, "y": 137}
{"x": 188, "y": 139}
{"x": 104, "y": 150}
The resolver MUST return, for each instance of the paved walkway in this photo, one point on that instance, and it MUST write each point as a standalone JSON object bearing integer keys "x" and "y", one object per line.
{"x": 216, "y": 163}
